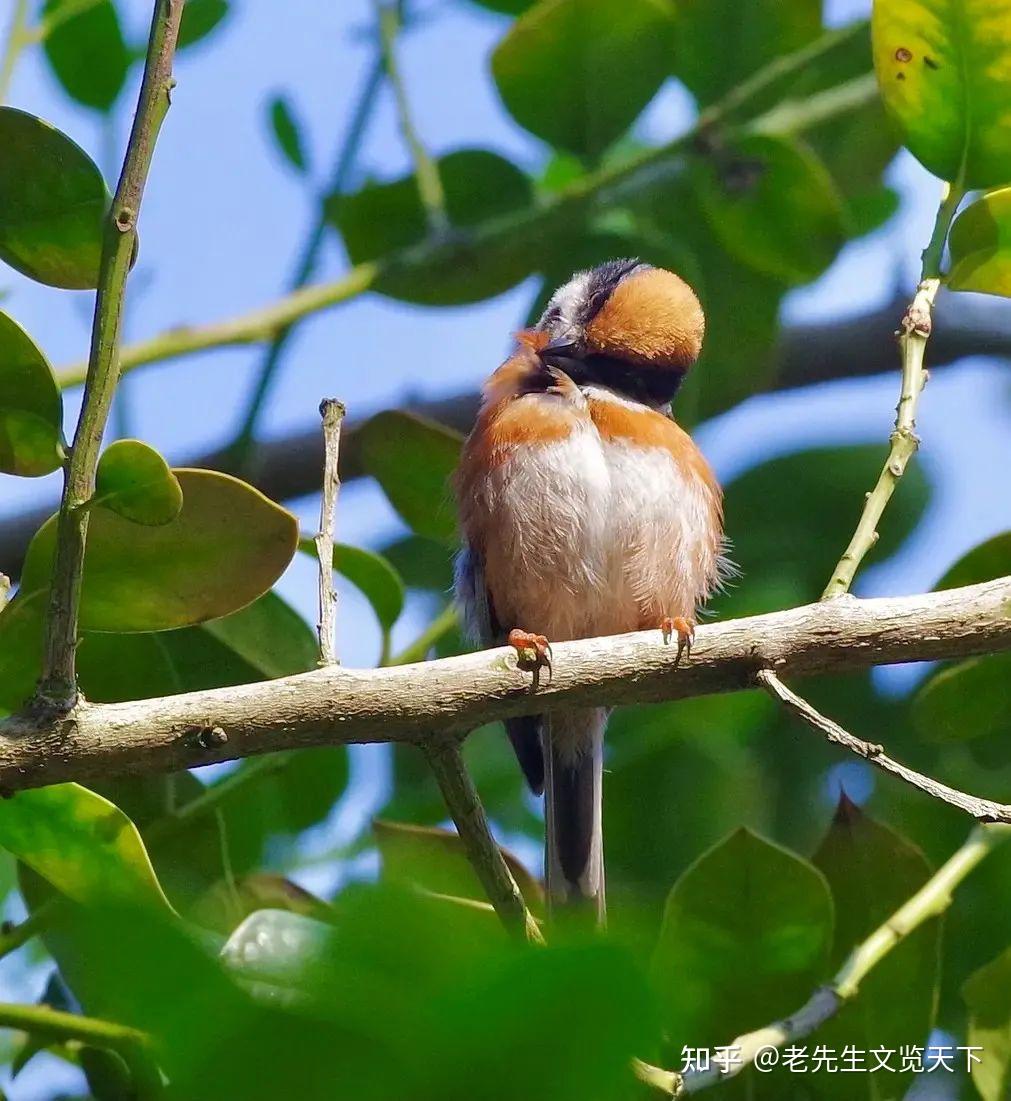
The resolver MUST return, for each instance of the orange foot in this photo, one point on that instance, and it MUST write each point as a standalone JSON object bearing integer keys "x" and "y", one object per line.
{"x": 532, "y": 651}
{"x": 685, "y": 631}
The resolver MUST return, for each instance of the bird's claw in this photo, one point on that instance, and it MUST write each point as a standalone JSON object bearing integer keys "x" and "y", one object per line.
{"x": 685, "y": 630}
{"x": 533, "y": 652}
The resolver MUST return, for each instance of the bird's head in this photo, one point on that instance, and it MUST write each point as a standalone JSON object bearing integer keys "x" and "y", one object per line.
{"x": 626, "y": 325}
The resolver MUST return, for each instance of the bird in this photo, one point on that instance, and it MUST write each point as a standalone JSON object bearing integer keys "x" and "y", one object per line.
{"x": 585, "y": 510}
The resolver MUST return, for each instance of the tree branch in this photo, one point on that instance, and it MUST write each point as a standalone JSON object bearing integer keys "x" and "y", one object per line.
{"x": 931, "y": 900}
{"x": 456, "y": 695}
{"x": 58, "y": 686}
{"x": 332, "y": 411}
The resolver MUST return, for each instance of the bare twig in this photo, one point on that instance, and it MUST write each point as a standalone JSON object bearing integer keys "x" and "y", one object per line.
{"x": 913, "y": 335}
{"x": 5, "y": 590}
{"x": 464, "y": 805}
{"x": 983, "y": 810}
{"x": 332, "y": 411}
{"x": 932, "y": 899}
{"x": 58, "y": 686}
{"x": 453, "y": 695}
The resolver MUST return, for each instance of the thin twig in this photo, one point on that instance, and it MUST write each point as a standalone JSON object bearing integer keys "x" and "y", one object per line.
{"x": 58, "y": 686}
{"x": 464, "y": 804}
{"x": 983, "y": 810}
{"x": 426, "y": 170}
{"x": 634, "y": 175}
{"x": 17, "y": 39}
{"x": 931, "y": 900}
{"x": 332, "y": 411}
{"x": 306, "y": 267}
{"x": 5, "y": 590}
{"x": 913, "y": 335}
{"x": 339, "y": 706}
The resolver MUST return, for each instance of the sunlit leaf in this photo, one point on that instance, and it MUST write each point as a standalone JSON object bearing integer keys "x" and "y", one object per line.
{"x": 86, "y": 50}
{"x": 413, "y": 460}
{"x": 987, "y": 993}
{"x": 52, "y": 203}
{"x": 275, "y": 947}
{"x": 31, "y": 409}
{"x": 200, "y": 18}
{"x": 980, "y": 245}
{"x": 287, "y": 133}
{"x": 745, "y": 938}
{"x": 436, "y": 860}
{"x": 226, "y": 547}
{"x": 134, "y": 481}
{"x": 370, "y": 573}
{"x": 944, "y": 69}
{"x": 82, "y": 844}
{"x": 550, "y": 68}
{"x": 479, "y": 185}
{"x": 773, "y": 204}
{"x": 872, "y": 871}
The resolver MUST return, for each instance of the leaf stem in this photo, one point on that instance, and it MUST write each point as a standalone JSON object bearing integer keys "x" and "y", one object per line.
{"x": 332, "y": 411}
{"x": 465, "y": 808}
{"x": 914, "y": 332}
{"x": 17, "y": 38}
{"x": 418, "y": 650}
{"x": 426, "y": 170}
{"x": 58, "y": 686}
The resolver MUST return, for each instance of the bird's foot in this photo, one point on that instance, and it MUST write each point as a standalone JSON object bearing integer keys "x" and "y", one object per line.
{"x": 684, "y": 629}
{"x": 533, "y": 652}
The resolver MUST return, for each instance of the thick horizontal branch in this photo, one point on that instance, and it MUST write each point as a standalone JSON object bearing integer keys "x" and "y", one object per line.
{"x": 858, "y": 346}
{"x": 409, "y": 702}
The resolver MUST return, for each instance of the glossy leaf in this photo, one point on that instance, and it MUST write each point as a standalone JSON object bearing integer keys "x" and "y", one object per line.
{"x": 200, "y": 18}
{"x": 82, "y": 844}
{"x": 980, "y": 244}
{"x": 135, "y": 482}
{"x": 479, "y": 186}
{"x": 550, "y": 68}
{"x": 287, "y": 133}
{"x": 227, "y": 546}
{"x": 52, "y": 203}
{"x": 276, "y": 947}
{"x": 86, "y": 50}
{"x": 370, "y": 573}
{"x": 773, "y": 205}
{"x": 31, "y": 409}
{"x": 944, "y": 69}
{"x": 745, "y": 937}
{"x": 872, "y": 871}
{"x": 987, "y": 993}
{"x": 720, "y": 42}
{"x": 991, "y": 559}
{"x": 413, "y": 460}
{"x": 435, "y": 859}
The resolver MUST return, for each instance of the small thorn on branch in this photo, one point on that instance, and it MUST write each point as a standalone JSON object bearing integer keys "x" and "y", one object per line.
{"x": 332, "y": 413}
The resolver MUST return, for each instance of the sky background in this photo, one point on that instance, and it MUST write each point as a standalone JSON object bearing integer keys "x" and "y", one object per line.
{"x": 222, "y": 225}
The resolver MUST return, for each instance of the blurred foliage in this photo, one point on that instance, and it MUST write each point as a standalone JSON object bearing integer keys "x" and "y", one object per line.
{"x": 744, "y": 860}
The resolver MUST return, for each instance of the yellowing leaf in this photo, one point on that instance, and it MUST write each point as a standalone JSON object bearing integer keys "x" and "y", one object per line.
{"x": 135, "y": 481}
{"x": 944, "y": 69}
{"x": 980, "y": 244}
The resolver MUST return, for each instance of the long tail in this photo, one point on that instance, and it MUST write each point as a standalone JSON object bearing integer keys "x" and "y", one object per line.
{"x": 573, "y": 787}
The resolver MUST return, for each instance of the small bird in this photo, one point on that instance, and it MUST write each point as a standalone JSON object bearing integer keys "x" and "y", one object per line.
{"x": 587, "y": 511}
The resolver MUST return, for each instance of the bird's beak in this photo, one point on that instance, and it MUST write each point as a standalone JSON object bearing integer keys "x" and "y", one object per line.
{"x": 562, "y": 347}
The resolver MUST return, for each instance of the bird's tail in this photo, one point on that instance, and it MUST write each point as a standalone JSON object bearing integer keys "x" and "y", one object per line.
{"x": 573, "y": 787}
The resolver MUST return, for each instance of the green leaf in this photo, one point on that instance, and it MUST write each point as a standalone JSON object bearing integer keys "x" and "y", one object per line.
{"x": 506, "y": 7}
{"x": 745, "y": 938}
{"x": 31, "y": 408}
{"x": 52, "y": 204}
{"x": 718, "y": 43}
{"x": 86, "y": 51}
{"x": 423, "y": 563}
{"x": 980, "y": 245}
{"x": 577, "y": 73}
{"x": 967, "y": 700}
{"x": 479, "y": 186}
{"x": 435, "y": 859}
{"x": 227, "y": 546}
{"x": 135, "y": 482}
{"x": 413, "y": 460}
{"x": 287, "y": 133}
{"x": 200, "y": 18}
{"x": 276, "y": 947}
{"x": 944, "y": 69}
{"x": 987, "y": 993}
{"x": 370, "y": 573}
{"x": 872, "y": 871}
{"x": 773, "y": 204}
{"x": 990, "y": 559}
{"x": 82, "y": 844}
